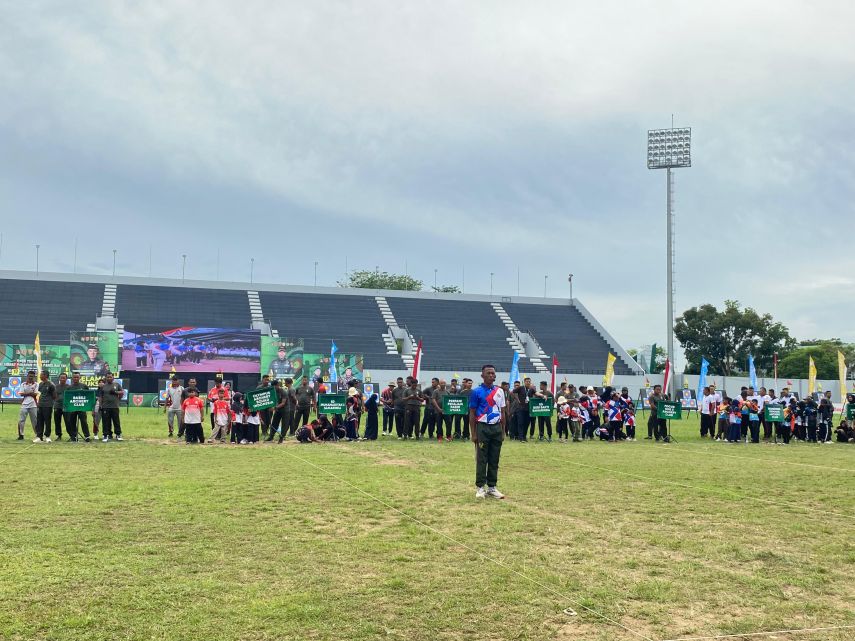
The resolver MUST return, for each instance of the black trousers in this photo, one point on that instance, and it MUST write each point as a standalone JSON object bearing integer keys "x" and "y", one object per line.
{"x": 58, "y": 416}
{"x": 561, "y": 428}
{"x": 440, "y": 420}
{"x": 264, "y": 417}
{"x": 544, "y": 421}
{"x": 43, "y": 417}
{"x": 399, "y": 421}
{"x": 282, "y": 421}
{"x": 531, "y": 422}
{"x": 707, "y": 425}
{"x": 192, "y": 432}
{"x": 111, "y": 423}
{"x": 428, "y": 421}
{"x": 71, "y": 420}
{"x": 411, "y": 422}
{"x": 388, "y": 420}
{"x": 301, "y": 416}
{"x": 754, "y": 426}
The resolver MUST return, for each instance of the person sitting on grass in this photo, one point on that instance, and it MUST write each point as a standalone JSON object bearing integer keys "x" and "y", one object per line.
{"x": 306, "y": 434}
{"x": 845, "y": 432}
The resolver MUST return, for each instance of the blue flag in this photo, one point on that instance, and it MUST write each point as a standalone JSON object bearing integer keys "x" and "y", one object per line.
{"x": 515, "y": 368}
{"x": 333, "y": 373}
{"x": 752, "y": 373}
{"x": 702, "y": 379}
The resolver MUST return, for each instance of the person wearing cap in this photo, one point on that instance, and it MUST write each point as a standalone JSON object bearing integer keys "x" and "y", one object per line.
{"x": 440, "y": 418}
{"x": 351, "y": 422}
{"x": 281, "y": 366}
{"x": 388, "y": 404}
{"x": 95, "y": 365}
{"x": 561, "y": 426}
{"x": 486, "y": 423}
{"x": 656, "y": 427}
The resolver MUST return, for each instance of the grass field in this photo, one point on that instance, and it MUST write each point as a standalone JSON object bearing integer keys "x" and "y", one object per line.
{"x": 148, "y": 539}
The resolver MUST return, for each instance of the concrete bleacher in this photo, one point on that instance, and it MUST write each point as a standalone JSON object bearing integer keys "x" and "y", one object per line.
{"x": 563, "y": 331}
{"x": 354, "y": 322}
{"x": 455, "y": 334}
{"x": 53, "y": 309}
{"x": 154, "y": 306}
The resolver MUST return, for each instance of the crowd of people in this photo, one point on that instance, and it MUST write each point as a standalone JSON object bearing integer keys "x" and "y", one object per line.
{"x": 408, "y": 410}
{"x": 742, "y": 418}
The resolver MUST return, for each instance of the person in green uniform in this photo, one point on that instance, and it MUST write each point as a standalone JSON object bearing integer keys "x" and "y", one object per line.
{"x": 58, "y": 414}
{"x": 73, "y": 417}
{"x": 47, "y": 397}
{"x": 111, "y": 394}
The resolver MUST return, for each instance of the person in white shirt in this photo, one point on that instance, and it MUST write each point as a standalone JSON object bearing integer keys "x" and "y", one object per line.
{"x": 173, "y": 404}
{"x": 28, "y": 392}
{"x": 763, "y": 398}
{"x": 708, "y": 406}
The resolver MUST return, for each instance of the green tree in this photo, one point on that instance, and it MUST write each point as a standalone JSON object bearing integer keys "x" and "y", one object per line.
{"x": 726, "y": 338}
{"x": 446, "y": 289}
{"x": 367, "y": 279}
{"x": 824, "y": 353}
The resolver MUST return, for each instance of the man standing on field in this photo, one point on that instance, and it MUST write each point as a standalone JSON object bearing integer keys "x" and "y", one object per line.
{"x": 487, "y": 425}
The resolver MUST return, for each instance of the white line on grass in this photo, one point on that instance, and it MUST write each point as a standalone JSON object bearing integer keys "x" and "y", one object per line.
{"x": 763, "y": 634}
{"x": 713, "y": 490}
{"x": 471, "y": 549}
{"x": 18, "y": 452}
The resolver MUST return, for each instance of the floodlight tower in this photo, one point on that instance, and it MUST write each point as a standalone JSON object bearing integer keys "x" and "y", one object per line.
{"x": 669, "y": 149}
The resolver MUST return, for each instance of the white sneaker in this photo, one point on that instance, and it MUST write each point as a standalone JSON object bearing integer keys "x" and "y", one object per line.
{"x": 481, "y": 493}
{"x": 492, "y": 491}
{"x": 105, "y": 440}
{"x": 47, "y": 440}
{"x": 37, "y": 440}
{"x": 119, "y": 438}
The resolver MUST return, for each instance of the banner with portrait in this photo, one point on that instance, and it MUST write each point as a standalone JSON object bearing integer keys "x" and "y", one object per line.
{"x": 282, "y": 357}
{"x": 16, "y": 359}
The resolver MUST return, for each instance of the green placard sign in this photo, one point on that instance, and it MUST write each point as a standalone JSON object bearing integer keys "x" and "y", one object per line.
{"x": 332, "y": 403}
{"x": 850, "y": 411}
{"x": 669, "y": 409}
{"x": 540, "y": 407}
{"x": 773, "y": 413}
{"x": 78, "y": 400}
{"x": 455, "y": 404}
{"x": 262, "y": 398}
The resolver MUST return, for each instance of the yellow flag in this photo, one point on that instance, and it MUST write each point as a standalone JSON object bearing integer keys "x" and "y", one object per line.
{"x": 811, "y": 375}
{"x": 841, "y": 370}
{"x": 37, "y": 346}
{"x": 609, "y": 376}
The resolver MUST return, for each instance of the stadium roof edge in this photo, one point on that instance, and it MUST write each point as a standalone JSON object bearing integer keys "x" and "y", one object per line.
{"x": 270, "y": 287}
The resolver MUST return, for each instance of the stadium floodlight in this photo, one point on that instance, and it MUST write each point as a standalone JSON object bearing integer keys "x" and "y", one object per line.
{"x": 669, "y": 149}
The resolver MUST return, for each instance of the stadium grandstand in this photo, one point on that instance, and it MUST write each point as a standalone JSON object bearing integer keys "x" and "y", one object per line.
{"x": 458, "y": 332}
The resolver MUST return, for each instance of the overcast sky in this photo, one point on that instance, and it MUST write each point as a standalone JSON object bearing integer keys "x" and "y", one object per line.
{"x": 490, "y": 135}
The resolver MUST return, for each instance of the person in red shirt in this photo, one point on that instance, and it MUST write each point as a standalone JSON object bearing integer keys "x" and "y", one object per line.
{"x": 194, "y": 410}
{"x": 214, "y": 395}
{"x": 222, "y": 418}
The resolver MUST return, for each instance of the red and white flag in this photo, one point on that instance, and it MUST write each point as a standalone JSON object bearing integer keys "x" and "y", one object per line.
{"x": 417, "y": 359}
{"x": 667, "y": 379}
{"x": 554, "y": 373}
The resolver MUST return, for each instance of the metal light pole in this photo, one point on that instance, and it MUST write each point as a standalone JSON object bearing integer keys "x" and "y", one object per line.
{"x": 491, "y": 283}
{"x": 251, "y": 270}
{"x": 183, "y": 265}
{"x": 669, "y": 149}
{"x": 316, "y": 273}
{"x": 545, "y": 276}
{"x": 570, "y": 280}
{"x": 114, "y": 263}
{"x": 37, "y": 260}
